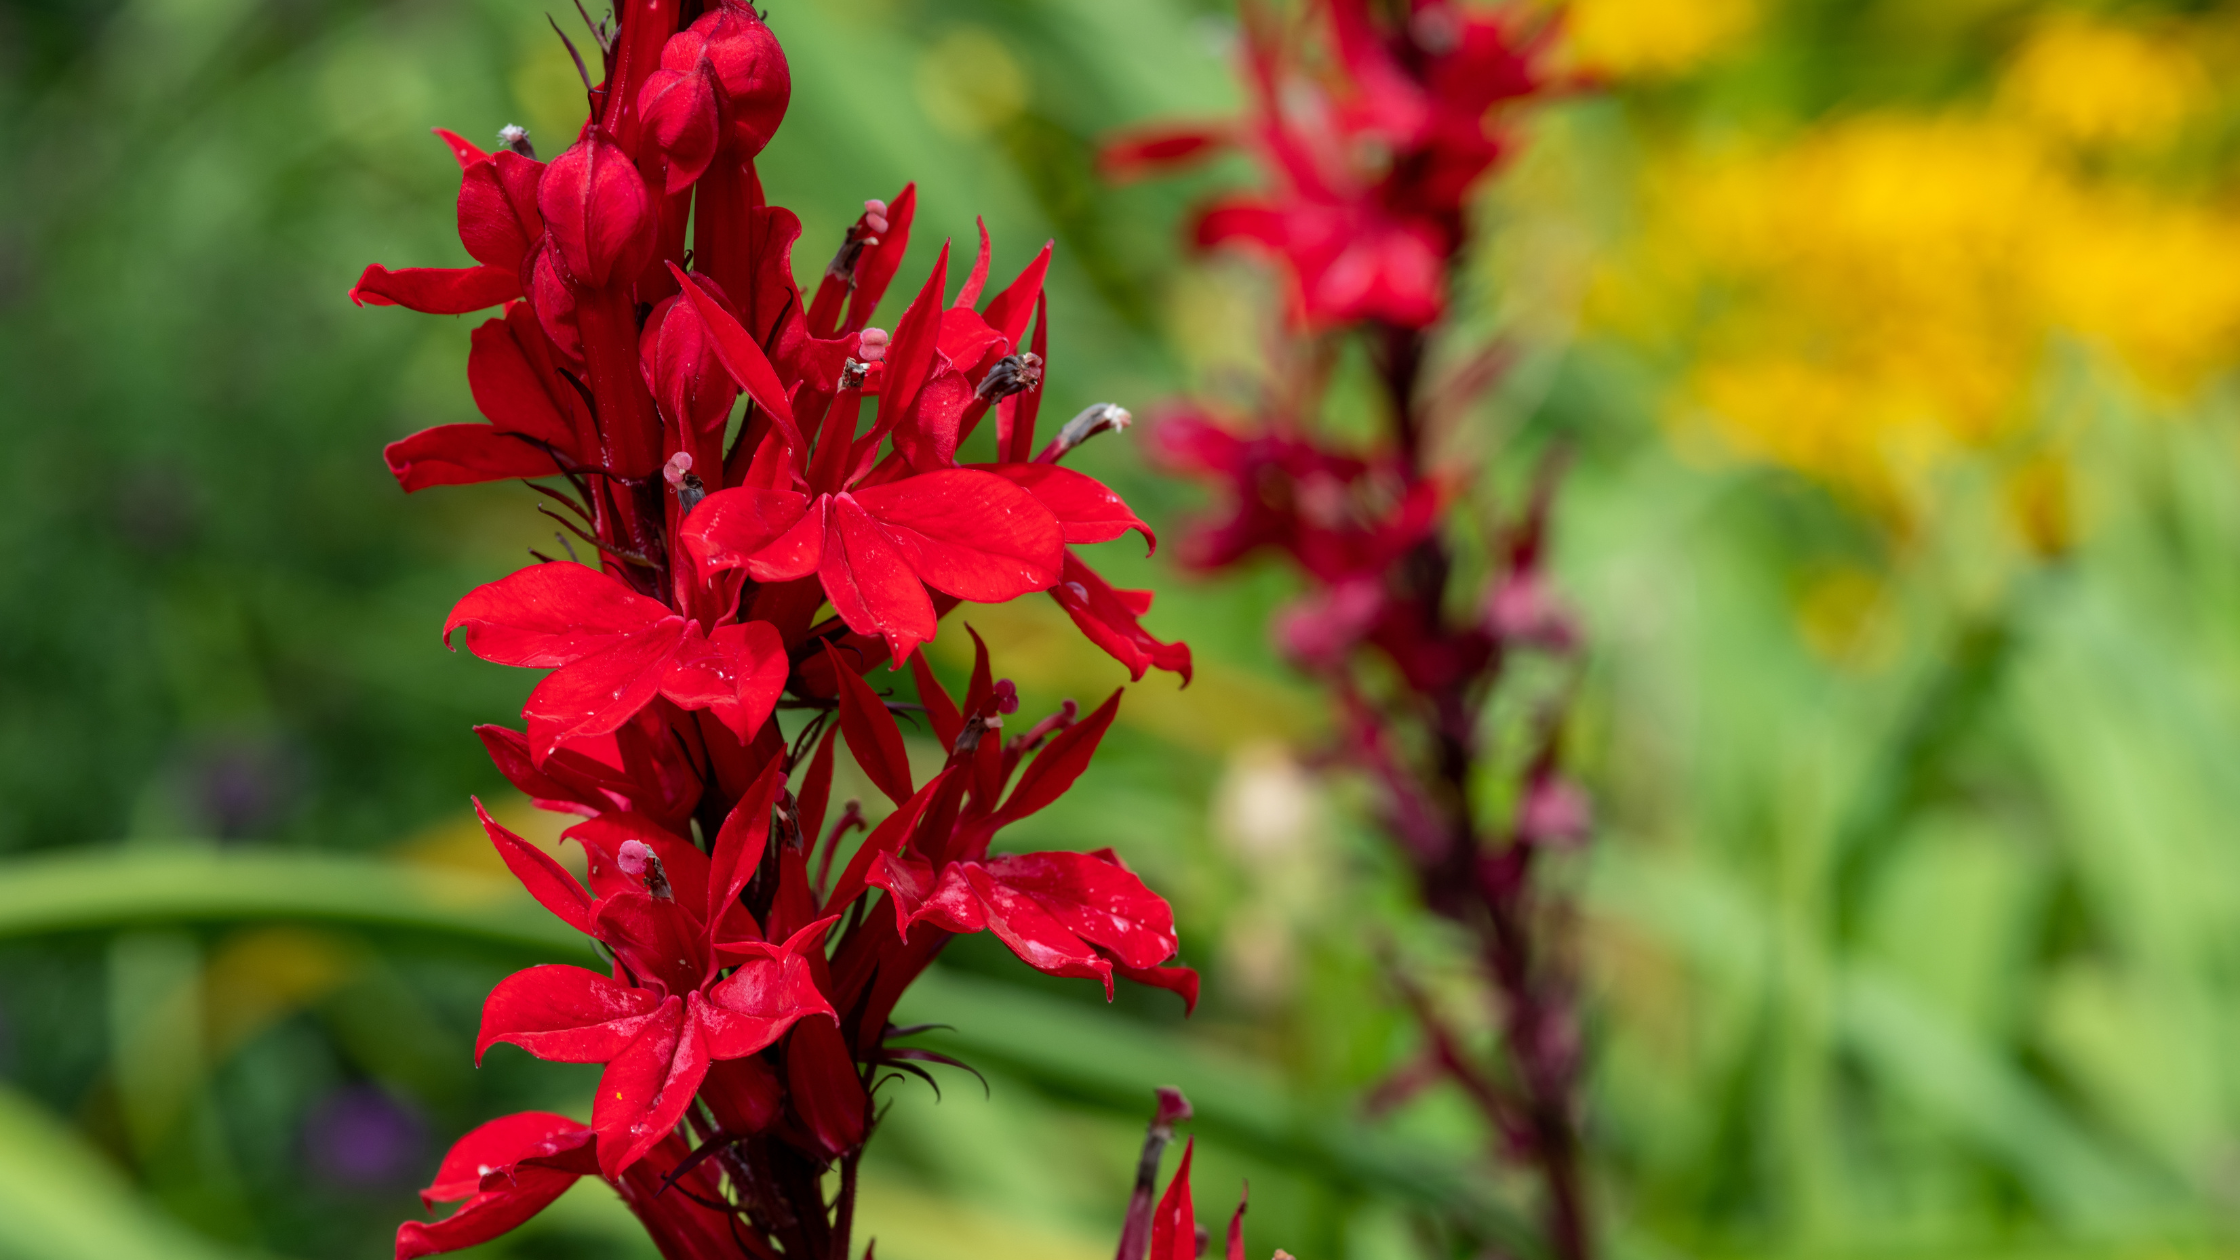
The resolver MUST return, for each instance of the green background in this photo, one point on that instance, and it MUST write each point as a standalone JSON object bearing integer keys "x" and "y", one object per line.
{"x": 1927, "y": 950}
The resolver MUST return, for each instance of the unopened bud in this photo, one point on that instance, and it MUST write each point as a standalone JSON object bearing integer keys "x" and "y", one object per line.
{"x": 599, "y": 212}
{"x": 516, "y": 138}
{"x": 1172, "y": 1110}
{"x": 1094, "y": 419}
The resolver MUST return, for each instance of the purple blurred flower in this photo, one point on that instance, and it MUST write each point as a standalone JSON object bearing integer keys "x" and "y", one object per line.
{"x": 361, "y": 1135}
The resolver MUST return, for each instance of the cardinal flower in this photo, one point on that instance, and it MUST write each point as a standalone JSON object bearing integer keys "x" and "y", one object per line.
{"x": 498, "y": 223}
{"x": 612, "y": 650}
{"x": 684, "y": 993}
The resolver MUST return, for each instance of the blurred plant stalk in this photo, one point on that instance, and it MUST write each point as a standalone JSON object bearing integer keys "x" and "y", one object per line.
{"x": 1415, "y": 631}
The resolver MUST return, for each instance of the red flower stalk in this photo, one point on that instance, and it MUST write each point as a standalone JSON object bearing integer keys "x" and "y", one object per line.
{"x": 1373, "y": 124}
{"x": 742, "y": 1017}
{"x": 1171, "y": 1231}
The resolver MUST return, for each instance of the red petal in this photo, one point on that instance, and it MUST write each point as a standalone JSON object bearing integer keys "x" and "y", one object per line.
{"x": 816, "y": 788}
{"x": 1016, "y": 415}
{"x": 557, "y": 786}
{"x": 565, "y": 1014}
{"x": 1086, "y": 509}
{"x": 1024, "y": 921}
{"x": 1110, "y": 622}
{"x": 550, "y": 614}
{"x": 744, "y": 359}
{"x": 494, "y": 1144}
{"x": 509, "y": 385}
{"x": 485, "y": 1216}
{"x": 968, "y": 294}
{"x": 910, "y": 882}
{"x": 548, "y": 881}
{"x": 1236, "y": 1223}
{"x": 645, "y": 1090}
{"x": 941, "y": 711}
{"x": 732, "y": 525}
{"x": 967, "y": 533}
{"x": 739, "y": 845}
{"x": 927, "y": 436}
{"x": 1174, "y": 1228}
{"x": 682, "y": 862}
{"x": 876, "y": 271}
{"x": 465, "y": 454}
{"x": 1135, "y": 154}
{"x": 869, "y": 583}
{"x": 884, "y": 838}
{"x": 1060, "y": 762}
{"x": 1007, "y": 312}
{"x": 735, "y": 673}
{"x": 437, "y": 290}
{"x": 826, "y": 1092}
{"x": 466, "y": 151}
{"x": 660, "y": 939}
{"x": 488, "y": 227}
{"x": 1099, "y": 901}
{"x": 764, "y": 996}
{"x": 1177, "y": 980}
{"x": 600, "y": 692}
{"x": 872, "y": 734}
{"x": 916, "y": 336}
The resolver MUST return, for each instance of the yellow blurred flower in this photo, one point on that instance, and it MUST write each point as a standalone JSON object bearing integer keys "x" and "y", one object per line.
{"x": 1655, "y": 38}
{"x": 2096, "y": 83}
{"x": 1875, "y": 295}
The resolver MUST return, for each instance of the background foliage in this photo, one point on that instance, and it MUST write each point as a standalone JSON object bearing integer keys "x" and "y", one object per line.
{"x": 1894, "y": 340}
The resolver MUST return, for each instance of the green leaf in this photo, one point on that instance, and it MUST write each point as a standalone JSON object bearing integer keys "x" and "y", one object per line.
{"x": 62, "y": 1201}
{"x": 1112, "y": 1062}
{"x": 107, "y": 889}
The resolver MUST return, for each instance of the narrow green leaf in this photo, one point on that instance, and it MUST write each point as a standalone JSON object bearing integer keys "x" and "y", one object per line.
{"x": 106, "y": 889}
{"x": 1112, "y": 1062}
{"x": 60, "y": 1200}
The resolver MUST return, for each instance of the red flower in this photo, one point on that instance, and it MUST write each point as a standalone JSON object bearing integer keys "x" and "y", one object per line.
{"x": 740, "y": 1044}
{"x": 507, "y": 1170}
{"x": 1369, "y": 168}
{"x": 612, "y": 651}
{"x": 1067, "y": 914}
{"x": 671, "y": 1009}
{"x": 498, "y": 223}
{"x": 875, "y": 550}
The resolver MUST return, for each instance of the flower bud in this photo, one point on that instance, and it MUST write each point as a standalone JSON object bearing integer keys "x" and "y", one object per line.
{"x": 679, "y": 361}
{"x": 752, "y": 71}
{"x": 554, "y": 301}
{"x": 598, "y": 212}
{"x": 679, "y": 108}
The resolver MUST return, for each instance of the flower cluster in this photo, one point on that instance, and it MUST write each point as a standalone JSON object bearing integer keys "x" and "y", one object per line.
{"x": 744, "y": 567}
{"x": 1373, "y": 126}
{"x": 1371, "y": 164}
